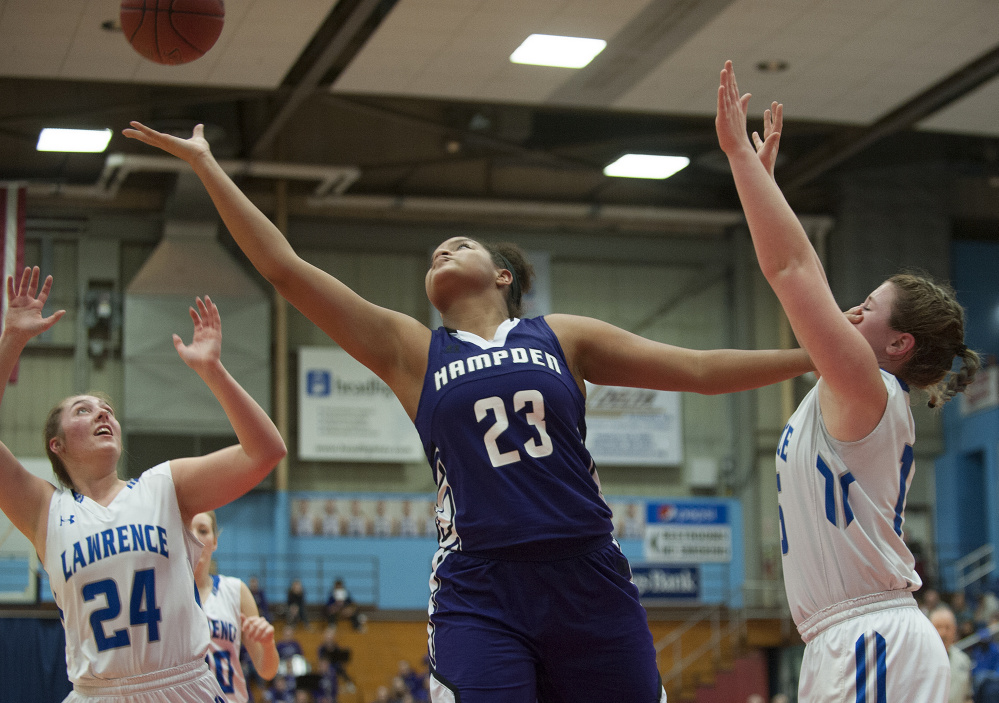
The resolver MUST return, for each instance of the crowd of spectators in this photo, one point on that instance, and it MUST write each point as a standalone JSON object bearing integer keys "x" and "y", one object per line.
{"x": 968, "y": 619}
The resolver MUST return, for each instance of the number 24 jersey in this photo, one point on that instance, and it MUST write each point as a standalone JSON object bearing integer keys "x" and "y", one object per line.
{"x": 123, "y": 578}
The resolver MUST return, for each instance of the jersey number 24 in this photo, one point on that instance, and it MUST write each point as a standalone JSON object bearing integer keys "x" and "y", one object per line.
{"x": 142, "y": 609}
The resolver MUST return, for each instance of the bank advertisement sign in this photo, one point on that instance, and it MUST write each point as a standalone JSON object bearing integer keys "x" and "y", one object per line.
{"x": 688, "y": 532}
{"x": 667, "y": 584}
{"x": 347, "y": 413}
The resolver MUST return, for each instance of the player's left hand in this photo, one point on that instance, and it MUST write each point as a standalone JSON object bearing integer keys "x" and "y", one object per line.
{"x": 855, "y": 314}
{"x": 766, "y": 148}
{"x": 257, "y": 629}
{"x": 205, "y": 348}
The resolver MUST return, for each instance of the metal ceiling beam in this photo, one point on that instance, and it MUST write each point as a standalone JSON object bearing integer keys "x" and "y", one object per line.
{"x": 338, "y": 44}
{"x": 943, "y": 93}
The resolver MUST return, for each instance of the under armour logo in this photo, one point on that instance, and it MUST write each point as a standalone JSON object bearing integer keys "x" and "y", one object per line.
{"x": 71, "y": 519}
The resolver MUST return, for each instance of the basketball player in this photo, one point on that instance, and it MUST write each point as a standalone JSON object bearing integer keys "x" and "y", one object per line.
{"x": 531, "y": 597}
{"x": 232, "y": 618}
{"x": 118, "y": 554}
{"x": 844, "y": 461}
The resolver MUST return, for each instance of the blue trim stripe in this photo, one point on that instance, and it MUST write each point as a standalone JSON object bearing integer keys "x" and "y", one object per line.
{"x": 861, "y": 653}
{"x": 907, "y": 460}
{"x": 845, "y": 480}
{"x": 830, "y": 490}
{"x": 881, "y": 649}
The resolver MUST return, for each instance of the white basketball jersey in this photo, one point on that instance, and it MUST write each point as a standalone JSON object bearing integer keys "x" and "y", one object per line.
{"x": 225, "y": 627}
{"x": 123, "y": 579}
{"x": 841, "y": 507}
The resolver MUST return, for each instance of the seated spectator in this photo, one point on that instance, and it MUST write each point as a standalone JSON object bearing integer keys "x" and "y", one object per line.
{"x": 288, "y": 646}
{"x": 327, "y": 686}
{"x": 281, "y": 690}
{"x": 296, "y": 604}
{"x": 340, "y": 606}
{"x": 962, "y": 612}
{"x": 337, "y": 656}
{"x": 961, "y": 690}
{"x": 259, "y": 597}
{"x": 929, "y": 599}
{"x": 413, "y": 680}
{"x": 984, "y": 657}
{"x": 986, "y": 606}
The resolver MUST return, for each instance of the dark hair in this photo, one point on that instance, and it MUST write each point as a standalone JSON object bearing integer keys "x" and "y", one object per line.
{"x": 511, "y": 257}
{"x": 53, "y": 428}
{"x": 929, "y": 311}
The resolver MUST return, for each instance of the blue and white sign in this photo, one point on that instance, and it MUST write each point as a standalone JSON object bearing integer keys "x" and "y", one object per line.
{"x": 688, "y": 532}
{"x": 347, "y": 413}
{"x": 667, "y": 583}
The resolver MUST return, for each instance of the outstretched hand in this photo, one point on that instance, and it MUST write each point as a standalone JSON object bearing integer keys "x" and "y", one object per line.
{"x": 766, "y": 148}
{"x": 187, "y": 149}
{"x": 205, "y": 348}
{"x": 24, "y": 306}
{"x": 730, "y": 122}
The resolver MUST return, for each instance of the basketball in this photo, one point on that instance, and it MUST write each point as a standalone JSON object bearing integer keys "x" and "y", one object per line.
{"x": 172, "y": 31}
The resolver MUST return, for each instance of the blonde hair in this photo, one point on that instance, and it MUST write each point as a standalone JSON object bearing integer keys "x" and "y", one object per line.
{"x": 929, "y": 311}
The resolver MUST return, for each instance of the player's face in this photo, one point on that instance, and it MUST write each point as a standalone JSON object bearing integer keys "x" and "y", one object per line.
{"x": 874, "y": 321}
{"x": 89, "y": 428}
{"x": 201, "y": 527}
{"x": 458, "y": 264}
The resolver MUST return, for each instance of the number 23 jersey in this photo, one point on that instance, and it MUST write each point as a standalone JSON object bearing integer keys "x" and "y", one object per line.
{"x": 502, "y": 424}
{"x": 841, "y": 507}
{"x": 123, "y": 579}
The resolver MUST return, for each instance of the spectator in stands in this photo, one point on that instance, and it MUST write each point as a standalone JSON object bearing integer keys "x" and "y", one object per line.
{"x": 986, "y": 606}
{"x": 281, "y": 690}
{"x": 335, "y": 655}
{"x": 340, "y": 606}
{"x": 943, "y": 619}
{"x": 296, "y": 604}
{"x": 984, "y": 656}
{"x": 328, "y": 685}
{"x": 382, "y": 695}
{"x": 288, "y": 646}
{"x": 259, "y": 597}
{"x": 929, "y": 601}
{"x": 963, "y": 614}
{"x": 398, "y": 691}
{"x": 412, "y": 679}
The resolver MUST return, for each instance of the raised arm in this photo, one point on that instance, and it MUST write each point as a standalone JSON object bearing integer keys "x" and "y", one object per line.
{"x": 840, "y": 353}
{"x": 257, "y": 636}
{"x": 24, "y": 497}
{"x": 602, "y": 353}
{"x": 391, "y": 344}
{"x": 207, "y": 482}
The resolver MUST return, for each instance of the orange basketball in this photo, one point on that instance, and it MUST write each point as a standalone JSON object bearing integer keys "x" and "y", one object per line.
{"x": 172, "y": 31}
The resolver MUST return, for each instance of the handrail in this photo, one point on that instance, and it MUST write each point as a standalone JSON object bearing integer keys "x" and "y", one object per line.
{"x": 974, "y": 566}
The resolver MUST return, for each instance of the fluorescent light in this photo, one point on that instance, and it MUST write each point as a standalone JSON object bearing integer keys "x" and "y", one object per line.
{"x": 646, "y": 166}
{"x": 552, "y": 50}
{"x": 77, "y": 140}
